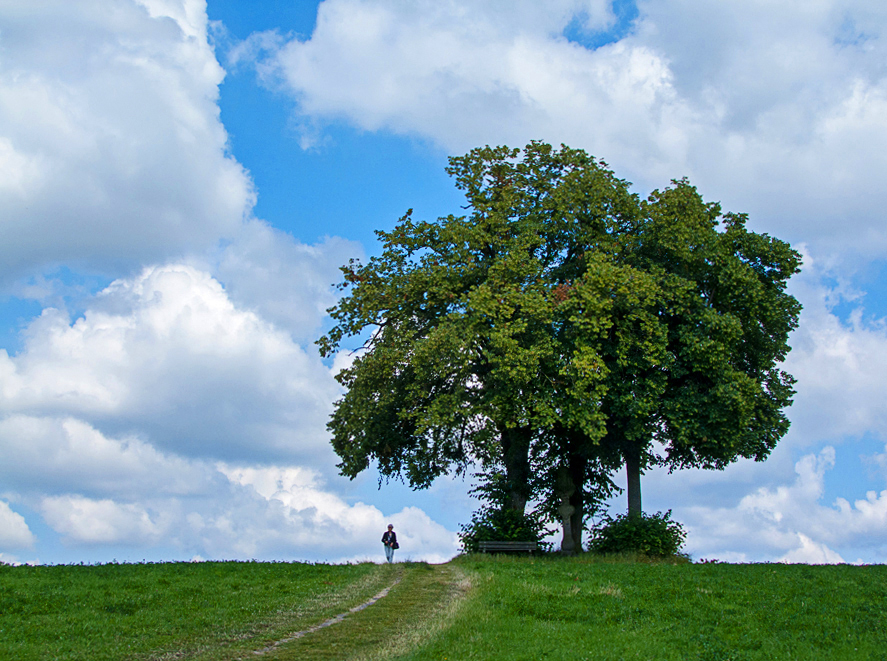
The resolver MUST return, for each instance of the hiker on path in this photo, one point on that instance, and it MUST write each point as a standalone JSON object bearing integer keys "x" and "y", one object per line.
{"x": 389, "y": 539}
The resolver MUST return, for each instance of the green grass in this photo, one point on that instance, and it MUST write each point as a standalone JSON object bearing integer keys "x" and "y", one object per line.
{"x": 420, "y": 606}
{"x": 585, "y": 609}
{"x": 171, "y": 610}
{"x": 472, "y": 608}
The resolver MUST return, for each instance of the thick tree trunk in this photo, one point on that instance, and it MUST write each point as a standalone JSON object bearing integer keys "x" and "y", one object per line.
{"x": 565, "y": 491}
{"x": 571, "y": 492}
{"x": 632, "y": 456}
{"x": 516, "y": 457}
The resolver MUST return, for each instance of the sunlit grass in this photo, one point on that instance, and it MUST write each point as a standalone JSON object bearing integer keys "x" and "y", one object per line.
{"x": 168, "y": 610}
{"x": 420, "y": 605}
{"x": 476, "y": 607}
{"x": 581, "y": 608}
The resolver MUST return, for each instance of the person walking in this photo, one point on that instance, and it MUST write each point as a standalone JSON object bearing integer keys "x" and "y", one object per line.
{"x": 389, "y": 539}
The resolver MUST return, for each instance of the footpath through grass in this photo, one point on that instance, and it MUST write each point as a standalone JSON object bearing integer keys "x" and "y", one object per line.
{"x": 218, "y": 610}
{"x": 476, "y": 607}
{"x": 583, "y": 608}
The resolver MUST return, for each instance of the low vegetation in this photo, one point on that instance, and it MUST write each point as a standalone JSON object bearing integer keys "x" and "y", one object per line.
{"x": 647, "y": 534}
{"x": 475, "y": 607}
{"x": 169, "y": 610}
{"x": 590, "y": 607}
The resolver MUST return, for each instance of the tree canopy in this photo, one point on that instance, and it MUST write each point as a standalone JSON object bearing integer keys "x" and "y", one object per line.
{"x": 561, "y": 329}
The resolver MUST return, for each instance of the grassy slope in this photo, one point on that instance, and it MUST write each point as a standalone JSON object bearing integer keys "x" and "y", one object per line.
{"x": 578, "y": 609}
{"x": 525, "y": 608}
{"x": 419, "y": 607}
{"x": 141, "y": 611}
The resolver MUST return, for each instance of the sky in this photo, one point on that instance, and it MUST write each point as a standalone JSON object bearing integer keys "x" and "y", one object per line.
{"x": 181, "y": 179}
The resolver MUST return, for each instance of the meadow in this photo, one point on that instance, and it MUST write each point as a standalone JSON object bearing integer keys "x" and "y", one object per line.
{"x": 475, "y": 607}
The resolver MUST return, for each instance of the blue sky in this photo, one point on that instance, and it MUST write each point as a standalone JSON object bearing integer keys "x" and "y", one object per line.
{"x": 181, "y": 180}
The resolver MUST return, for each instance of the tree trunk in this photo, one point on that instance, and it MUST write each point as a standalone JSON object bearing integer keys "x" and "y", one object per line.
{"x": 516, "y": 457}
{"x": 632, "y": 456}
{"x": 571, "y": 492}
{"x": 577, "y": 500}
{"x": 565, "y": 491}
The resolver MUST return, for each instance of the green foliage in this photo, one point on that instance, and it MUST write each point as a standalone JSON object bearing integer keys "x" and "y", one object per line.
{"x": 496, "y": 521}
{"x": 648, "y": 534}
{"x": 563, "y": 320}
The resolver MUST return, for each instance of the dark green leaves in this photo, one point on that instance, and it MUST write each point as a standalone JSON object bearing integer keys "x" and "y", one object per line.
{"x": 565, "y": 307}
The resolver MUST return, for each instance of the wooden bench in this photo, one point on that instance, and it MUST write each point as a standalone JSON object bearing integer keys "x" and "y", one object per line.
{"x": 507, "y": 547}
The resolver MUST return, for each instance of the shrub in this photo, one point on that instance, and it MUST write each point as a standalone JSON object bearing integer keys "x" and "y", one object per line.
{"x": 649, "y": 534}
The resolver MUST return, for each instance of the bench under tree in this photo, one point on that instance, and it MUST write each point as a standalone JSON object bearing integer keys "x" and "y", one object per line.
{"x": 507, "y": 547}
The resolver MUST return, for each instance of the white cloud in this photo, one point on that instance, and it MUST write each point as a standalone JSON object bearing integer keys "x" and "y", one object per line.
{"x": 791, "y": 101}
{"x": 64, "y": 455}
{"x": 347, "y": 532}
{"x": 167, "y": 354}
{"x": 111, "y": 148}
{"x": 841, "y": 367}
{"x": 112, "y": 426}
{"x": 465, "y": 75}
{"x": 250, "y": 512}
{"x": 811, "y": 553}
{"x": 103, "y": 521}
{"x": 14, "y": 531}
{"x": 778, "y": 111}
{"x": 286, "y": 282}
{"x": 789, "y": 522}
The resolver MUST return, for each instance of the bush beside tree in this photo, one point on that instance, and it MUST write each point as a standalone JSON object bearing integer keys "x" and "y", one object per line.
{"x": 648, "y": 534}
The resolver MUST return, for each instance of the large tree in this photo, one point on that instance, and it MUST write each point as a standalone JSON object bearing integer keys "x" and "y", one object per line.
{"x": 560, "y": 329}
{"x": 695, "y": 326}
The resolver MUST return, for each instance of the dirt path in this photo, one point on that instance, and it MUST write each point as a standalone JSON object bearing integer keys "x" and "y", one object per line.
{"x": 330, "y": 622}
{"x": 422, "y": 601}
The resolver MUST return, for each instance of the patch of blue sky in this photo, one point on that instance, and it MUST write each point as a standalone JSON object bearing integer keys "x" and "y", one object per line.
{"x": 849, "y": 34}
{"x": 856, "y": 471}
{"x": 49, "y": 549}
{"x": 352, "y": 183}
{"x": 243, "y": 18}
{"x": 625, "y": 13}
{"x": 446, "y": 501}
{"x": 871, "y": 286}
{"x": 15, "y": 315}
{"x": 63, "y": 288}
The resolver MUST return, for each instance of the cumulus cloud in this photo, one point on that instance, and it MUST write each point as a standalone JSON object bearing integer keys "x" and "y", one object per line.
{"x": 168, "y": 355}
{"x": 14, "y": 531}
{"x": 286, "y": 282}
{"x": 103, "y": 521}
{"x": 167, "y": 417}
{"x": 111, "y": 148}
{"x": 789, "y": 523}
{"x": 235, "y": 512}
{"x": 48, "y": 455}
{"x": 464, "y": 75}
{"x": 325, "y": 522}
{"x": 840, "y": 365}
{"x": 777, "y": 111}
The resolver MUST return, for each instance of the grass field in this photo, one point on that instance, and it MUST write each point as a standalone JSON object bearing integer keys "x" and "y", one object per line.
{"x": 471, "y": 608}
{"x": 582, "y": 609}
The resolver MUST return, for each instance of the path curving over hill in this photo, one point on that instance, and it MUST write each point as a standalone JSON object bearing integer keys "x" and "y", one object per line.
{"x": 420, "y": 600}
